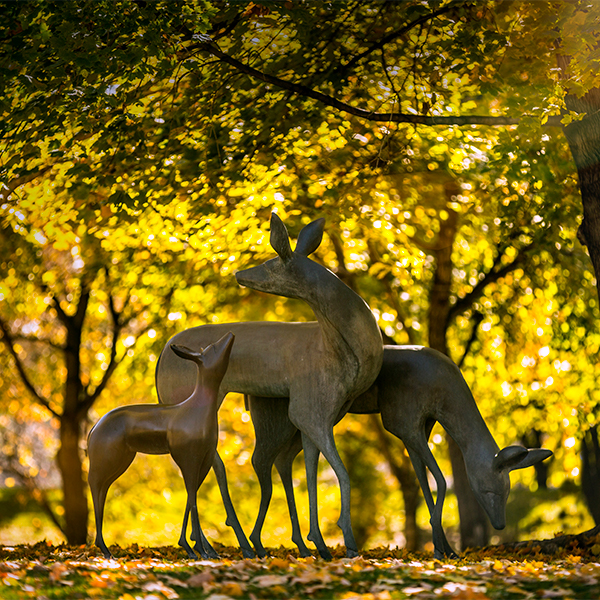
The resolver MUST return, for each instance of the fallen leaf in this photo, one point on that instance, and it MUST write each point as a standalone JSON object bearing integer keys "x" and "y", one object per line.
{"x": 59, "y": 570}
{"x": 278, "y": 563}
{"x": 200, "y": 579}
{"x": 554, "y": 593}
{"x": 233, "y": 588}
{"x": 174, "y": 581}
{"x": 269, "y": 580}
{"x": 513, "y": 589}
{"x": 157, "y": 586}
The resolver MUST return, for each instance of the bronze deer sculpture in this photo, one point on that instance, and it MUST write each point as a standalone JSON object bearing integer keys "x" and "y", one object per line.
{"x": 320, "y": 366}
{"x": 416, "y": 388}
{"x": 188, "y": 431}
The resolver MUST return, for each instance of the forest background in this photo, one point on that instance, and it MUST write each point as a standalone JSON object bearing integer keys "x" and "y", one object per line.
{"x": 452, "y": 148}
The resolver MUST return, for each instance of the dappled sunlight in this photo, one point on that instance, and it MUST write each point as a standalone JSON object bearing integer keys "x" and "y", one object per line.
{"x": 144, "y": 151}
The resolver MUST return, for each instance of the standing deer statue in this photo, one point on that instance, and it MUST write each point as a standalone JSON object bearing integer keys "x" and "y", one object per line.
{"x": 188, "y": 431}
{"x": 416, "y": 388}
{"x": 321, "y": 367}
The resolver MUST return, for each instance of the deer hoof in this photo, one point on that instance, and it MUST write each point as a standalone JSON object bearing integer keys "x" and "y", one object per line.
{"x": 325, "y": 554}
{"x": 351, "y": 553}
{"x": 210, "y": 552}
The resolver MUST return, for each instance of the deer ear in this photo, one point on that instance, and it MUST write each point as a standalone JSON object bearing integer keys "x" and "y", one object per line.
{"x": 310, "y": 237}
{"x": 508, "y": 458}
{"x": 280, "y": 240}
{"x": 185, "y": 352}
{"x": 533, "y": 456}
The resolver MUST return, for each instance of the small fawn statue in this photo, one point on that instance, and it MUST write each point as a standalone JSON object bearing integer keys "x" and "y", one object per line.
{"x": 416, "y": 388}
{"x": 188, "y": 431}
{"x": 321, "y": 366}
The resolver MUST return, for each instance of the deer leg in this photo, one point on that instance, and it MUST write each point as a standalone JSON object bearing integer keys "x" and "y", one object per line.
{"x": 274, "y": 433}
{"x": 103, "y": 472}
{"x": 194, "y": 462}
{"x": 186, "y": 459}
{"x": 202, "y": 544}
{"x": 330, "y": 452}
{"x": 232, "y": 519}
{"x": 422, "y": 459}
{"x": 182, "y": 539}
{"x": 199, "y": 536}
{"x": 262, "y": 464}
{"x": 283, "y": 463}
{"x": 99, "y": 498}
{"x": 205, "y": 545}
{"x": 311, "y": 460}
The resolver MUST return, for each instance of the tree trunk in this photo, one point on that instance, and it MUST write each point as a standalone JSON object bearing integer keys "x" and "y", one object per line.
{"x": 584, "y": 141}
{"x": 590, "y": 472}
{"x": 69, "y": 463}
{"x": 68, "y": 456}
{"x": 474, "y": 528}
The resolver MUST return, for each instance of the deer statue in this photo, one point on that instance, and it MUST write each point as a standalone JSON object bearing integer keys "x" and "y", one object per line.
{"x": 416, "y": 388}
{"x": 188, "y": 431}
{"x": 321, "y": 367}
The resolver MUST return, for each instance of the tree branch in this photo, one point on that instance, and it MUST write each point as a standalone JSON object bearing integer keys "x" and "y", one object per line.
{"x": 391, "y": 293}
{"x": 13, "y": 468}
{"x": 394, "y": 117}
{"x": 63, "y": 317}
{"x": 490, "y": 277}
{"x": 90, "y": 398}
{"x": 7, "y": 189}
{"x": 9, "y": 341}
{"x": 477, "y": 318}
{"x": 390, "y": 37}
{"x": 34, "y": 340}
{"x": 348, "y": 277}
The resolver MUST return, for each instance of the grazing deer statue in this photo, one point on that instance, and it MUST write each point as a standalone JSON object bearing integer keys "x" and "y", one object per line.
{"x": 416, "y": 388}
{"x": 320, "y": 366}
{"x": 188, "y": 431}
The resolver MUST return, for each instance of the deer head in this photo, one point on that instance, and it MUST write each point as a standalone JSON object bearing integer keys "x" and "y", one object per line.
{"x": 213, "y": 359}
{"x": 290, "y": 273}
{"x": 491, "y": 485}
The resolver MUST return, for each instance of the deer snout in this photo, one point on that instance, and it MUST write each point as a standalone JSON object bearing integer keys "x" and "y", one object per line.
{"x": 495, "y": 507}
{"x": 254, "y": 278}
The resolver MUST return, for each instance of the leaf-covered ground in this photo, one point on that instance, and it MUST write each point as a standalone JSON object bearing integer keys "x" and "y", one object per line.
{"x": 45, "y": 571}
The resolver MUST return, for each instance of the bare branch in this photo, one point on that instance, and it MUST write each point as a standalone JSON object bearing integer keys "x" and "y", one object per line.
{"x": 35, "y": 340}
{"x": 90, "y": 398}
{"x": 63, "y": 317}
{"x": 491, "y": 276}
{"x": 32, "y": 487}
{"x": 390, "y": 37}
{"x": 7, "y": 189}
{"x": 477, "y": 318}
{"x": 343, "y": 273}
{"x": 392, "y": 295}
{"x": 9, "y": 341}
{"x": 424, "y": 246}
{"x": 394, "y": 117}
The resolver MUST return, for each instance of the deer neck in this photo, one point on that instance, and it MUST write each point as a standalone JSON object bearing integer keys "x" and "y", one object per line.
{"x": 477, "y": 445}
{"x": 348, "y": 326}
{"x": 206, "y": 390}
